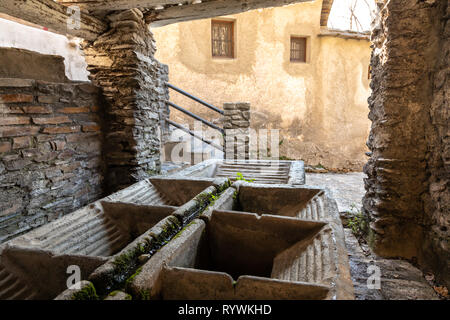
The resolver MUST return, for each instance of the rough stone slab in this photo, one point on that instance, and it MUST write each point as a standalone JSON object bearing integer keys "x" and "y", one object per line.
{"x": 180, "y": 251}
{"x": 16, "y": 83}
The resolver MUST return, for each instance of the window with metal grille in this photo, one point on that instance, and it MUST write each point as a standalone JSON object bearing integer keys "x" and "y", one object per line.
{"x": 222, "y": 35}
{"x": 298, "y": 49}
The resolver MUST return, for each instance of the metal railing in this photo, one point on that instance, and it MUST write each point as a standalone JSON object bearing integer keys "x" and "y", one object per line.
{"x": 194, "y": 116}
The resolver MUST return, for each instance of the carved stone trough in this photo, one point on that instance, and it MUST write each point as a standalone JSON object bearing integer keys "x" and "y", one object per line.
{"x": 191, "y": 235}
{"x": 88, "y": 236}
{"x": 273, "y": 253}
{"x": 260, "y": 171}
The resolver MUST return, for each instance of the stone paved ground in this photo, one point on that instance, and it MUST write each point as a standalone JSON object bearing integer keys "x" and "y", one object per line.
{"x": 347, "y": 188}
{"x": 399, "y": 279}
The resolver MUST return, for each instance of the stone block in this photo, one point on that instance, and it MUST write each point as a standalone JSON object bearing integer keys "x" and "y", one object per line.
{"x": 60, "y": 130}
{"x": 74, "y": 110}
{"x": 7, "y": 131}
{"x": 15, "y": 98}
{"x": 51, "y": 120}
{"x": 5, "y": 146}
{"x": 93, "y": 127}
{"x": 15, "y": 83}
{"x": 22, "y": 142}
{"x": 48, "y": 99}
{"x": 37, "y": 109}
{"x": 5, "y": 121}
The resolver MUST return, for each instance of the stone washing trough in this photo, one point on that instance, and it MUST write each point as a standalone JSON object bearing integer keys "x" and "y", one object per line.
{"x": 260, "y": 171}
{"x": 189, "y": 237}
{"x": 88, "y": 236}
{"x": 36, "y": 274}
{"x": 273, "y": 253}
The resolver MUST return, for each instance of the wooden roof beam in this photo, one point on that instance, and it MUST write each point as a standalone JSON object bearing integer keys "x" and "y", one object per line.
{"x": 110, "y": 5}
{"x": 54, "y": 16}
{"x": 210, "y": 9}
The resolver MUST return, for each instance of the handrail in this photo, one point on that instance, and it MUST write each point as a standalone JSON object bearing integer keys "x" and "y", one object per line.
{"x": 179, "y": 126}
{"x": 210, "y": 124}
{"x": 206, "y": 104}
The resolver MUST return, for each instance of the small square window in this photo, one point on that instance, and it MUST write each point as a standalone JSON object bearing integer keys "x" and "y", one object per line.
{"x": 298, "y": 49}
{"x": 222, "y": 35}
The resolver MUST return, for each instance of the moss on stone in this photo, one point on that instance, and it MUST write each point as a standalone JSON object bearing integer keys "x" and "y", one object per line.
{"x": 87, "y": 293}
{"x": 114, "y": 293}
{"x": 130, "y": 279}
{"x": 181, "y": 231}
{"x": 144, "y": 295}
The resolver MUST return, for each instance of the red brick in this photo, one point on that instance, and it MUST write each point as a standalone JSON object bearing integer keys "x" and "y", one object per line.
{"x": 13, "y": 98}
{"x": 51, "y": 120}
{"x": 21, "y": 142}
{"x": 37, "y": 109}
{"x": 55, "y": 130}
{"x": 5, "y": 146}
{"x": 75, "y": 110}
{"x": 18, "y": 131}
{"x": 91, "y": 128}
{"x": 95, "y": 108}
{"x": 5, "y": 121}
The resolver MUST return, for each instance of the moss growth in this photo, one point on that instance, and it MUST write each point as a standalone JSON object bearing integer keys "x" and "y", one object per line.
{"x": 123, "y": 261}
{"x": 240, "y": 177}
{"x": 144, "y": 295}
{"x": 283, "y": 158}
{"x": 181, "y": 231}
{"x": 130, "y": 279}
{"x": 223, "y": 187}
{"x": 87, "y": 293}
{"x": 359, "y": 223}
{"x": 114, "y": 293}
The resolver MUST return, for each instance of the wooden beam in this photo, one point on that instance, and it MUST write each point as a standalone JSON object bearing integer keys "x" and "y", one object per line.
{"x": 54, "y": 16}
{"x": 110, "y": 5}
{"x": 345, "y": 34}
{"x": 210, "y": 9}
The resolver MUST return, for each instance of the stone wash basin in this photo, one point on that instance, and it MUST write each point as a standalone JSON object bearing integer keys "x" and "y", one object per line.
{"x": 87, "y": 236}
{"x": 260, "y": 171}
{"x": 238, "y": 258}
{"x": 189, "y": 237}
{"x": 272, "y": 253}
{"x": 27, "y": 273}
{"x": 301, "y": 202}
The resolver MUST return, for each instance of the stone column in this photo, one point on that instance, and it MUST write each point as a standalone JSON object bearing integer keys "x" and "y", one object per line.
{"x": 236, "y": 123}
{"x": 407, "y": 134}
{"x": 122, "y": 64}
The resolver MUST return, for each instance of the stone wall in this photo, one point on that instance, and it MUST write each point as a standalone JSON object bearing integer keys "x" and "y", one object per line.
{"x": 50, "y": 151}
{"x": 408, "y": 171}
{"x": 236, "y": 124}
{"x": 121, "y": 62}
{"x": 437, "y": 200}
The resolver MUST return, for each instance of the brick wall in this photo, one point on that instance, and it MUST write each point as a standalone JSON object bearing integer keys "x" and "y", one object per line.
{"x": 50, "y": 151}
